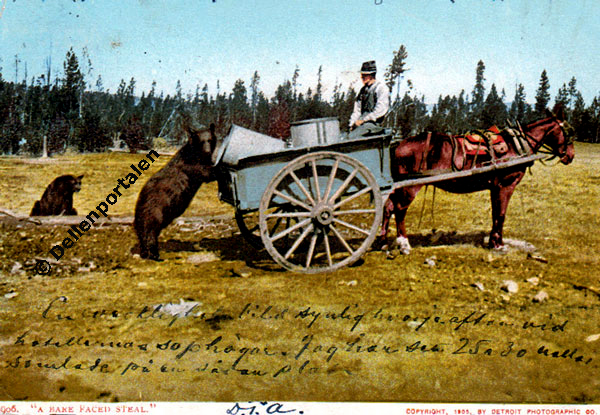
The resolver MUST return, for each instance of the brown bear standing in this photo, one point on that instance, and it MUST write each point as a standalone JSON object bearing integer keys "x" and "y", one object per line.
{"x": 168, "y": 193}
{"x": 58, "y": 197}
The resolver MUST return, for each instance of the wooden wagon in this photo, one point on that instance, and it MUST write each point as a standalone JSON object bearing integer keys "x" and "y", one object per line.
{"x": 315, "y": 206}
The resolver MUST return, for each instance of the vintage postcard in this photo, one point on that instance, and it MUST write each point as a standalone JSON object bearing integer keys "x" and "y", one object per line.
{"x": 267, "y": 202}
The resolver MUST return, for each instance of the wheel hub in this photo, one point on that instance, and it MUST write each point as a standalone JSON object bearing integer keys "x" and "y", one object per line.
{"x": 323, "y": 214}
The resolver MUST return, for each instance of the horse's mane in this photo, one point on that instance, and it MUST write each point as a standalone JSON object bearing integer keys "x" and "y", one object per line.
{"x": 538, "y": 122}
{"x": 423, "y": 136}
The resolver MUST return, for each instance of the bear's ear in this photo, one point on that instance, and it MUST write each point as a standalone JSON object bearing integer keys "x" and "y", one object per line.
{"x": 80, "y": 177}
{"x": 212, "y": 128}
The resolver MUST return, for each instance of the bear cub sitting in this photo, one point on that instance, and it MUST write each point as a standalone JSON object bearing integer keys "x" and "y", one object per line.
{"x": 58, "y": 197}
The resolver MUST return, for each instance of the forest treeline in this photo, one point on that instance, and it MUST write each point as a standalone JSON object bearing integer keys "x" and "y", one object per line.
{"x": 77, "y": 113}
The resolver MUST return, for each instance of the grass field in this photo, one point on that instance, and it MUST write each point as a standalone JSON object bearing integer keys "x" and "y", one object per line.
{"x": 387, "y": 329}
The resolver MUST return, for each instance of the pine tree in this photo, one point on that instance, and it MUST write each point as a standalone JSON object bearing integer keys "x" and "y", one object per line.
{"x": 494, "y": 110}
{"x": 295, "y": 82}
{"x": 319, "y": 91}
{"x": 346, "y": 108}
{"x": 519, "y": 108}
{"x": 279, "y": 120}
{"x": 238, "y": 102}
{"x": 130, "y": 93}
{"x": 17, "y": 62}
{"x": 133, "y": 134}
{"x": 99, "y": 84}
{"x": 254, "y": 90}
{"x": 578, "y": 116}
{"x": 73, "y": 84}
{"x": 92, "y": 135}
{"x": 178, "y": 92}
{"x": 221, "y": 111}
{"x": 462, "y": 122}
{"x": 478, "y": 95}
{"x": 594, "y": 110}
{"x": 574, "y": 93}
{"x": 405, "y": 115}
{"x": 563, "y": 97}
{"x": 393, "y": 74}
{"x": 542, "y": 96}
{"x": 262, "y": 113}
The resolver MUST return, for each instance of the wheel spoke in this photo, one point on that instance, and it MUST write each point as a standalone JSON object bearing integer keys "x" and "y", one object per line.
{"x": 331, "y": 179}
{"x": 292, "y": 200}
{"x": 354, "y": 196}
{"x": 343, "y": 186}
{"x": 353, "y": 212}
{"x": 311, "y": 250}
{"x": 328, "y": 249}
{"x": 290, "y": 230}
{"x": 288, "y": 215}
{"x": 299, "y": 241}
{"x": 301, "y": 186}
{"x": 277, "y": 222}
{"x": 275, "y": 226}
{"x": 316, "y": 179}
{"x": 350, "y": 226}
{"x": 342, "y": 240}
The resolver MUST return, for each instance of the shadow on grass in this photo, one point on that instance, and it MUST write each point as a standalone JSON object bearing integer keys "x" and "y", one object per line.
{"x": 232, "y": 248}
{"x": 443, "y": 238}
{"x": 236, "y": 248}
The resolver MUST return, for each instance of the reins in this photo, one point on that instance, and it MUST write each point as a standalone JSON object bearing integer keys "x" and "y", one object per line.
{"x": 544, "y": 148}
{"x": 432, "y": 207}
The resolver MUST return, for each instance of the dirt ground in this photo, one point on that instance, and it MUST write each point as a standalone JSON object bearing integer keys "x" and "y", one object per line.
{"x": 221, "y": 321}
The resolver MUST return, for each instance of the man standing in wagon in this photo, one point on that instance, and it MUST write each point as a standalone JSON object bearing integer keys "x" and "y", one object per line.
{"x": 372, "y": 102}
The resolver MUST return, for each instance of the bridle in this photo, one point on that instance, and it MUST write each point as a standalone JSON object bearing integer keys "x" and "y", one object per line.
{"x": 561, "y": 151}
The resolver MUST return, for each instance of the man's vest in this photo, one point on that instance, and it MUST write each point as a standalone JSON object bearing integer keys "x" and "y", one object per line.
{"x": 368, "y": 100}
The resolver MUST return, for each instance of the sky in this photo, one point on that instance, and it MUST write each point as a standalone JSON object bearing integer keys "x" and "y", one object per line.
{"x": 205, "y": 41}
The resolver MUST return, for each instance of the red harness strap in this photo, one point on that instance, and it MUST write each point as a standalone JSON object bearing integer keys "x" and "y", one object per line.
{"x": 425, "y": 152}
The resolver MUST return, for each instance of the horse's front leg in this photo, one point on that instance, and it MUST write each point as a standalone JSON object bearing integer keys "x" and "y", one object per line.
{"x": 388, "y": 211}
{"x": 500, "y": 194}
{"x": 405, "y": 197}
{"x": 398, "y": 203}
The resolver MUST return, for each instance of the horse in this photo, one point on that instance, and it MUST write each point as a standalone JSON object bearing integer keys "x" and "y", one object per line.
{"x": 431, "y": 151}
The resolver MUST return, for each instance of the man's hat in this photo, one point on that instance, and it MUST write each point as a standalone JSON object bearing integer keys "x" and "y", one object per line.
{"x": 368, "y": 67}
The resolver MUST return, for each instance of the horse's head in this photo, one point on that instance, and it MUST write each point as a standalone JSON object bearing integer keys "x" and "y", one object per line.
{"x": 559, "y": 137}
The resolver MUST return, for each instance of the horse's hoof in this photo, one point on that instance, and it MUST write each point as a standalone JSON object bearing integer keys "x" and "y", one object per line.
{"x": 500, "y": 249}
{"x": 403, "y": 245}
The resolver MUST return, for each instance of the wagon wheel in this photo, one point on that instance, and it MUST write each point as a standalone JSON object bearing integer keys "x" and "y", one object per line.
{"x": 334, "y": 207}
{"x": 248, "y": 223}
{"x": 249, "y": 228}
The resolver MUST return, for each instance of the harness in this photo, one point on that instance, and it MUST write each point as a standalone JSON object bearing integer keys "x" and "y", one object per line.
{"x": 519, "y": 139}
{"x": 494, "y": 143}
{"x": 425, "y": 152}
{"x": 567, "y": 133}
{"x": 545, "y": 148}
{"x": 490, "y": 142}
